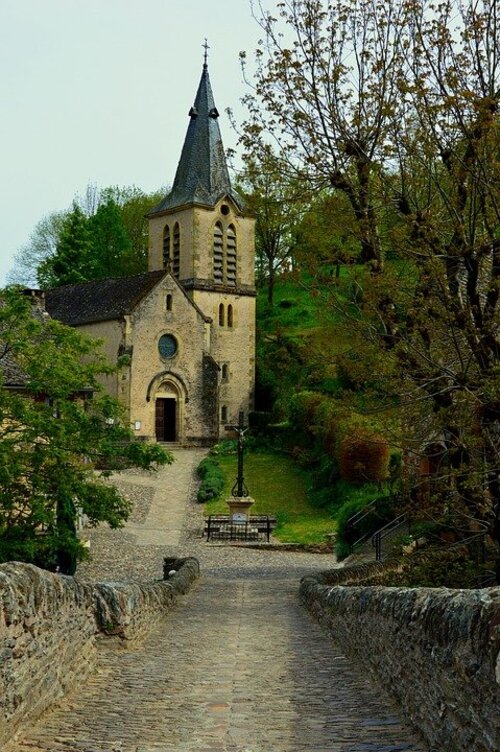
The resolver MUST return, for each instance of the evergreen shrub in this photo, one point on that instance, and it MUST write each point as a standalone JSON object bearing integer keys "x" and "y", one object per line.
{"x": 212, "y": 479}
{"x": 382, "y": 513}
{"x": 226, "y": 446}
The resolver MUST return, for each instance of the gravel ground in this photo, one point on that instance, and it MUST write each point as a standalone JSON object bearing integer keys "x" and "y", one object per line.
{"x": 115, "y": 555}
{"x": 141, "y": 499}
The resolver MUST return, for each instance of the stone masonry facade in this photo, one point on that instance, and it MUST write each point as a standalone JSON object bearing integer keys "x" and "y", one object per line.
{"x": 196, "y": 302}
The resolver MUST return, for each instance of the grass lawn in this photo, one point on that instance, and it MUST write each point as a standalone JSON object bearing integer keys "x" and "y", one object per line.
{"x": 279, "y": 488}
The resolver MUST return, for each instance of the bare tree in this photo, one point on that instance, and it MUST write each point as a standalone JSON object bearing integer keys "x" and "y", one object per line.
{"x": 40, "y": 246}
{"x": 326, "y": 89}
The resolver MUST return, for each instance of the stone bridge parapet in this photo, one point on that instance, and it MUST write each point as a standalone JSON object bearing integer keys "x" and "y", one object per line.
{"x": 50, "y": 624}
{"x": 436, "y": 650}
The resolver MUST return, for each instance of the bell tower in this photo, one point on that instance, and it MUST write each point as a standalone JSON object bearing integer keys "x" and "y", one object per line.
{"x": 203, "y": 234}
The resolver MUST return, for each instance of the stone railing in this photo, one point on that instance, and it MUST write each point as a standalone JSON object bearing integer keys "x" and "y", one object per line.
{"x": 436, "y": 650}
{"x": 50, "y": 624}
{"x": 370, "y": 573}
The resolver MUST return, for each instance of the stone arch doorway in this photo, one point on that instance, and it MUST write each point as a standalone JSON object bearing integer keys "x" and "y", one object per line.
{"x": 168, "y": 412}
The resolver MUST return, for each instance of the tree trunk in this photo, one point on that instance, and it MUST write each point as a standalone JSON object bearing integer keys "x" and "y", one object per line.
{"x": 270, "y": 283}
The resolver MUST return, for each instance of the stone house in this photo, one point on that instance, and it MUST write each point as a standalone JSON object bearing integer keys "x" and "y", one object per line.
{"x": 183, "y": 333}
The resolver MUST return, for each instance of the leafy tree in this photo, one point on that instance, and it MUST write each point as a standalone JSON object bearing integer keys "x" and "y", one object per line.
{"x": 134, "y": 205}
{"x": 278, "y": 206}
{"x": 109, "y": 240}
{"x": 324, "y": 238}
{"x": 396, "y": 105}
{"x": 54, "y": 431}
{"x": 116, "y": 231}
{"x": 72, "y": 259}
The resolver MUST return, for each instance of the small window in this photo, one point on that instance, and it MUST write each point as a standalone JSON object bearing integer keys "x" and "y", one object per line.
{"x": 225, "y": 372}
{"x": 221, "y": 315}
{"x": 230, "y": 316}
{"x": 223, "y": 414}
{"x": 169, "y": 302}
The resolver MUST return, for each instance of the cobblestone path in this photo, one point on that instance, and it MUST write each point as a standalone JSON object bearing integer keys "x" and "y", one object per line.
{"x": 239, "y": 667}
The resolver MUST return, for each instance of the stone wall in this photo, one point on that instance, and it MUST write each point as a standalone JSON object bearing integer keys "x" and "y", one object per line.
{"x": 435, "y": 650}
{"x": 369, "y": 573}
{"x": 49, "y": 627}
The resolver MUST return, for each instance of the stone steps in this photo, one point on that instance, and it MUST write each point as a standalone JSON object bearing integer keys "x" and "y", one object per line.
{"x": 239, "y": 667}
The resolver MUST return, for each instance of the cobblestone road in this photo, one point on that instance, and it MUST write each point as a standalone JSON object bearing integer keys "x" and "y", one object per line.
{"x": 239, "y": 666}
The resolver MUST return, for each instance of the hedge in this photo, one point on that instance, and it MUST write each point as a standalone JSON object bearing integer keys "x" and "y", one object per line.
{"x": 212, "y": 479}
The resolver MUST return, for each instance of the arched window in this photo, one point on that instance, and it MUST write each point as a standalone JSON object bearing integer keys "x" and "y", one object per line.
{"x": 176, "y": 251}
{"x": 230, "y": 315}
{"x": 231, "y": 256}
{"x": 221, "y": 315}
{"x": 223, "y": 414}
{"x": 169, "y": 302}
{"x": 225, "y": 372}
{"x": 166, "y": 247}
{"x": 218, "y": 249}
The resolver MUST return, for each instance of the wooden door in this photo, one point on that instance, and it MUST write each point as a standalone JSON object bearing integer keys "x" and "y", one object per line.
{"x": 160, "y": 419}
{"x": 166, "y": 419}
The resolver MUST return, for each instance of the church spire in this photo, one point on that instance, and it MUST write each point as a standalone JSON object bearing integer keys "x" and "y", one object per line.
{"x": 202, "y": 175}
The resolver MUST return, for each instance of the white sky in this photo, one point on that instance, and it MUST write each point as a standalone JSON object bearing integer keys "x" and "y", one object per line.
{"x": 99, "y": 90}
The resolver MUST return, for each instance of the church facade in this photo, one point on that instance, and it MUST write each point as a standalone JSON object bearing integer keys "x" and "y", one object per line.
{"x": 183, "y": 333}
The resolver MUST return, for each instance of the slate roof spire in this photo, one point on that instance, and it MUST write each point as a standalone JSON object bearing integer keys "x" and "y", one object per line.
{"x": 202, "y": 175}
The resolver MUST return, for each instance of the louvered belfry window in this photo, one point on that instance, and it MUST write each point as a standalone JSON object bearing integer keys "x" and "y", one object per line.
{"x": 224, "y": 250}
{"x": 166, "y": 247}
{"x": 231, "y": 256}
{"x": 176, "y": 251}
{"x": 218, "y": 254}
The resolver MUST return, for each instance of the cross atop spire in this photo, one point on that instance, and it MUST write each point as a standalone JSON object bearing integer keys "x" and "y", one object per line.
{"x": 206, "y": 47}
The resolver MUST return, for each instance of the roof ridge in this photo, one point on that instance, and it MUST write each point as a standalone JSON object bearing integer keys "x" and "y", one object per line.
{"x": 103, "y": 279}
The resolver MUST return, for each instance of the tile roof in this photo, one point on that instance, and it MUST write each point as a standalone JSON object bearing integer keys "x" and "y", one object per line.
{"x": 101, "y": 299}
{"x": 12, "y": 373}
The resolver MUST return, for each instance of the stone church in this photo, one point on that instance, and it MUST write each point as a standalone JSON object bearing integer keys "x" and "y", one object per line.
{"x": 183, "y": 332}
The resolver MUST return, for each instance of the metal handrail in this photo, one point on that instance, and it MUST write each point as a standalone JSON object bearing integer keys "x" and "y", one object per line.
{"x": 361, "y": 514}
{"x": 384, "y": 531}
{"x": 353, "y": 521}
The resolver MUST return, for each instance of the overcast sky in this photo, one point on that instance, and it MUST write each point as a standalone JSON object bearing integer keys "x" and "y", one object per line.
{"x": 99, "y": 91}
